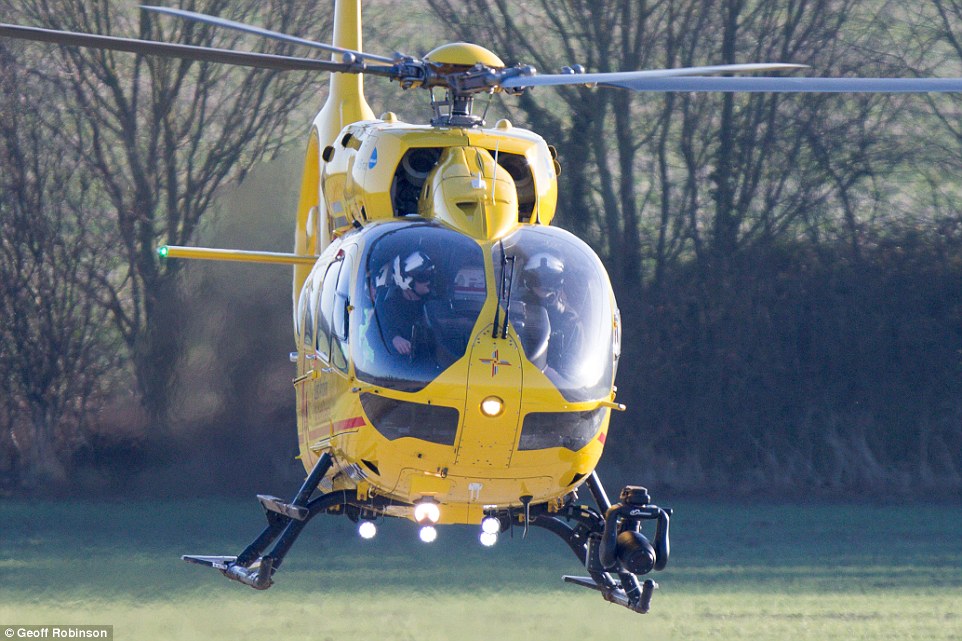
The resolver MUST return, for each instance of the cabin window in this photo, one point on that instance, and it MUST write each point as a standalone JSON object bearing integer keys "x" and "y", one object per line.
{"x": 305, "y": 315}
{"x": 326, "y": 312}
{"x": 341, "y": 311}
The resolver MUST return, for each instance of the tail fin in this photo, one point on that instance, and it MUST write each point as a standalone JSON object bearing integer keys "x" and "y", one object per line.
{"x": 345, "y": 104}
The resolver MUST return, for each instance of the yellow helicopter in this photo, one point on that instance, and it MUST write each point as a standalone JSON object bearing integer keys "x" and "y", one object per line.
{"x": 456, "y": 354}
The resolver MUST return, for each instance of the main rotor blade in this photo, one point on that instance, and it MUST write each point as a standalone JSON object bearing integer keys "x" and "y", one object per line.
{"x": 795, "y": 85}
{"x": 267, "y": 33}
{"x": 621, "y": 78}
{"x": 190, "y": 52}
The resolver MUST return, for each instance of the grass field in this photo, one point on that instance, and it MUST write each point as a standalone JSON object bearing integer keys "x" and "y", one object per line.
{"x": 738, "y": 571}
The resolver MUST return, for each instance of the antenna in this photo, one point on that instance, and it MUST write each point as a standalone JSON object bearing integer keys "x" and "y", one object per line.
{"x": 494, "y": 179}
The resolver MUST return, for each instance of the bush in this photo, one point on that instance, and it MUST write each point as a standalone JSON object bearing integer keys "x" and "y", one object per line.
{"x": 803, "y": 369}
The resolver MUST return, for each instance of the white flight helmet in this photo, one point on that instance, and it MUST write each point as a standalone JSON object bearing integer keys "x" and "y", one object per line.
{"x": 418, "y": 266}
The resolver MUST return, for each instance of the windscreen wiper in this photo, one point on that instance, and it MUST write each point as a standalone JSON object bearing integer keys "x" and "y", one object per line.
{"x": 504, "y": 294}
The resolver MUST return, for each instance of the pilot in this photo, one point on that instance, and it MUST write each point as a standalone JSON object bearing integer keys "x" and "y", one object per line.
{"x": 544, "y": 279}
{"x": 403, "y": 305}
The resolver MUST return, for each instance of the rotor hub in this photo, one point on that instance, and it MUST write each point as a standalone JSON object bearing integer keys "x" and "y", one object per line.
{"x": 463, "y": 55}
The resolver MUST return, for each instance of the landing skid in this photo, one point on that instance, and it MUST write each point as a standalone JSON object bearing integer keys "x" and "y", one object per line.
{"x": 607, "y": 540}
{"x": 284, "y": 524}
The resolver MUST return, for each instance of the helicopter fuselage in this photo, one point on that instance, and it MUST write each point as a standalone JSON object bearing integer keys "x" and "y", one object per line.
{"x": 500, "y": 398}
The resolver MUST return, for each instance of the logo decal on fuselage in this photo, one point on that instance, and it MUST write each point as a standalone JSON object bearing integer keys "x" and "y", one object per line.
{"x": 495, "y": 362}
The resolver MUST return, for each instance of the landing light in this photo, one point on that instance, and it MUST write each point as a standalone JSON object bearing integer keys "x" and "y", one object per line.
{"x": 488, "y": 539}
{"x": 367, "y": 529}
{"x": 428, "y": 534}
{"x": 490, "y": 525}
{"x": 427, "y": 512}
{"x": 492, "y": 406}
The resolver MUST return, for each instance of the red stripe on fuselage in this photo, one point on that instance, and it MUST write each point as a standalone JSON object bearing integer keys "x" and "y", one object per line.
{"x": 348, "y": 424}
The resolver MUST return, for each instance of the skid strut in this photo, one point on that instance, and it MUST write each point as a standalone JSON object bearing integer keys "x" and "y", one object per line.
{"x": 609, "y": 543}
{"x": 607, "y": 540}
{"x": 284, "y": 524}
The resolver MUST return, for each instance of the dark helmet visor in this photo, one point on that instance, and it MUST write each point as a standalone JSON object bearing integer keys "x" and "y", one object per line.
{"x": 545, "y": 279}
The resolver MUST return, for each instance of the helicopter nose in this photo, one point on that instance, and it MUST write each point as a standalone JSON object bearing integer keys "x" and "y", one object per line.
{"x": 492, "y": 404}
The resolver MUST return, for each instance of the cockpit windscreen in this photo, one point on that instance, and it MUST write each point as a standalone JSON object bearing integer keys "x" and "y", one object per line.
{"x": 560, "y": 307}
{"x": 420, "y": 290}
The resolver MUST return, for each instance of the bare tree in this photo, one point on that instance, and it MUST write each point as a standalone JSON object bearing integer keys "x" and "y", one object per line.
{"x": 937, "y": 45}
{"x": 650, "y": 179}
{"x": 55, "y": 353}
{"x": 598, "y": 194}
{"x": 161, "y": 137}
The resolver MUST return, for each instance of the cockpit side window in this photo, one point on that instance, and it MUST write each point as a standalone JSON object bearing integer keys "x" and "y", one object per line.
{"x": 419, "y": 293}
{"x": 341, "y": 311}
{"x": 561, "y": 309}
{"x": 305, "y": 315}
{"x": 326, "y": 311}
